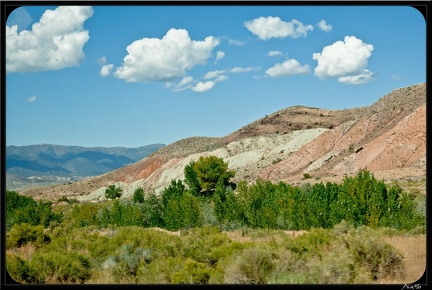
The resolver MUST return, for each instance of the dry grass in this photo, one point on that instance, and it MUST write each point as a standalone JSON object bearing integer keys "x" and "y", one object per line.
{"x": 101, "y": 277}
{"x": 414, "y": 250}
{"x": 241, "y": 236}
{"x": 24, "y": 252}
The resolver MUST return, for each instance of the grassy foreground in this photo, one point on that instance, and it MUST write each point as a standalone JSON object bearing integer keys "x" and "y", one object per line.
{"x": 206, "y": 255}
{"x": 361, "y": 231}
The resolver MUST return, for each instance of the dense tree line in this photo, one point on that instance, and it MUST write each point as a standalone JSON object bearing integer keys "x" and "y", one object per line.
{"x": 360, "y": 200}
{"x": 202, "y": 199}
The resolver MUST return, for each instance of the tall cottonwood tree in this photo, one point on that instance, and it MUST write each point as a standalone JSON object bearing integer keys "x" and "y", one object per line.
{"x": 203, "y": 175}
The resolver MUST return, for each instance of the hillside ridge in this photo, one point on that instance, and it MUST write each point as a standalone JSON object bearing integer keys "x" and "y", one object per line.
{"x": 286, "y": 144}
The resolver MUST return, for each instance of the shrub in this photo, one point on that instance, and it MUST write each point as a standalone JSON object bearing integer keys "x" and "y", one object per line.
{"x": 312, "y": 242}
{"x": 126, "y": 261}
{"x": 59, "y": 267}
{"x": 17, "y": 268}
{"x": 84, "y": 214}
{"x": 334, "y": 269}
{"x": 192, "y": 273}
{"x": 306, "y": 176}
{"x": 160, "y": 271}
{"x": 251, "y": 266}
{"x": 200, "y": 243}
{"x": 343, "y": 228}
{"x": 290, "y": 268}
{"x": 24, "y": 233}
{"x": 277, "y": 160}
{"x": 374, "y": 255}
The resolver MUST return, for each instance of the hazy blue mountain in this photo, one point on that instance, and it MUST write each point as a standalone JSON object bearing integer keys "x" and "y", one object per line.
{"x": 60, "y": 160}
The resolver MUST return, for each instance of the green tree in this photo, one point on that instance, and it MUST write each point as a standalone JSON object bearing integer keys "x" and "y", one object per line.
{"x": 179, "y": 207}
{"x": 175, "y": 189}
{"x": 138, "y": 196}
{"x": 152, "y": 211}
{"x": 23, "y": 209}
{"x": 191, "y": 179}
{"x": 204, "y": 174}
{"x": 18, "y": 208}
{"x": 113, "y": 192}
{"x": 219, "y": 199}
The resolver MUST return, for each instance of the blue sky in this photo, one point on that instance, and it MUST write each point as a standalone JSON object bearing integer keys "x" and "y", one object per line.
{"x": 137, "y": 75}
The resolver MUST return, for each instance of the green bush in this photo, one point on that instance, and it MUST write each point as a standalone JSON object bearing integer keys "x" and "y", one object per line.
{"x": 24, "y": 233}
{"x": 251, "y": 266}
{"x": 312, "y": 242}
{"x": 199, "y": 244}
{"x": 160, "y": 271}
{"x": 126, "y": 262}
{"x": 374, "y": 255}
{"x": 334, "y": 269}
{"x": 17, "y": 268}
{"x": 192, "y": 273}
{"x": 306, "y": 176}
{"x": 59, "y": 267}
{"x": 84, "y": 214}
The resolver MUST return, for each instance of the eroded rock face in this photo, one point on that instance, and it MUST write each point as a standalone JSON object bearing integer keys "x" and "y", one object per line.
{"x": 402, "y": 146}
{"x": 389, "y": 137}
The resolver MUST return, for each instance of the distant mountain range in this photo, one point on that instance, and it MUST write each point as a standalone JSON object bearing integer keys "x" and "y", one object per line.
{"x": 50, "y": 163}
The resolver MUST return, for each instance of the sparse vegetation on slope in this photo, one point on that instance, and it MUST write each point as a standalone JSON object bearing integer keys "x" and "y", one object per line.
{"x": 187, "y": 146}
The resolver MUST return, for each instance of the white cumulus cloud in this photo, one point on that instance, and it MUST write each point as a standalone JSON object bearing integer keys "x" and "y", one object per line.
{"x": 274, "y": 53}
{"x": 219, "y": 55}
{"x": 273, "y": 27}
{"x": 243, "y": 69}
{"x": 324, "y": 26}
{"x": 201, "y": 87}
{"x": 55, "y": 42}
{"x": 344, "y": 59}
{"x": 185, "y": 81}
{"x": 214, "y": 74}
{"x": 236, "y": 42}
{"x": 106, "y": 70}
{"x": 183, "y": 84}
{"x": 154, "y": 59}
{"x": 31, "y": 99}
{"x": 287, "y": 68}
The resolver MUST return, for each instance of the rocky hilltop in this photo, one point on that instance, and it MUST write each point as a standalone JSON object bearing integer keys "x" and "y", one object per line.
{"x": 388, "y": 138}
